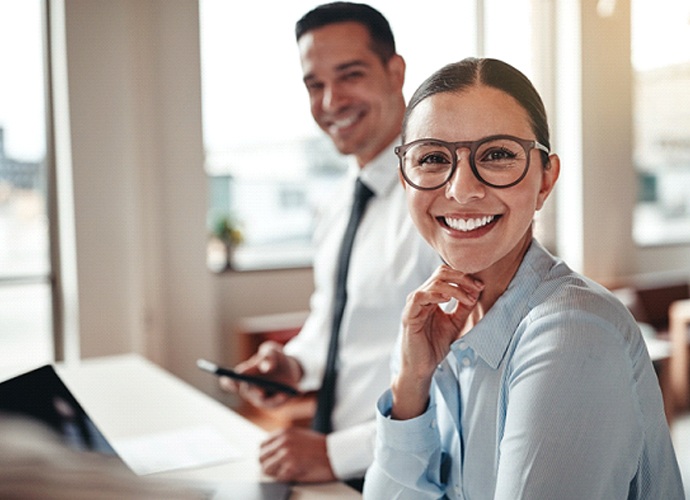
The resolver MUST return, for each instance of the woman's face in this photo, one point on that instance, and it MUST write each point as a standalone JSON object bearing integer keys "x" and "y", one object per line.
{"x": 475, "y": 227}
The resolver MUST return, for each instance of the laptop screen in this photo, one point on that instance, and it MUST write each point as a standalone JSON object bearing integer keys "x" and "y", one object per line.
{"x": 41, "y": 395}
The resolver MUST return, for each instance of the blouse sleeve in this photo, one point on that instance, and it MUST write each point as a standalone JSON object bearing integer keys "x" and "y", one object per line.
{"x": 407, "y": 456}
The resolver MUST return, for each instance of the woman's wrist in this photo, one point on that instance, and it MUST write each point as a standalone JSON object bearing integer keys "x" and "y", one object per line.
{"x": 410, "y": 397}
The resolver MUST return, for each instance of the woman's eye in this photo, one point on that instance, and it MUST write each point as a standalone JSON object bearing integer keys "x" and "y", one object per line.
{"x": 499, "y": 154}
{"x": 434, "y": 159}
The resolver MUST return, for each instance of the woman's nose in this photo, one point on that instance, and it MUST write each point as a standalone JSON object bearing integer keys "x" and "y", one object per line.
{"x": 463, "y": 185}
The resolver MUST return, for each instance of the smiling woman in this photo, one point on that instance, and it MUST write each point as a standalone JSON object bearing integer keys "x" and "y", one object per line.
{"x": 507, "y": 356}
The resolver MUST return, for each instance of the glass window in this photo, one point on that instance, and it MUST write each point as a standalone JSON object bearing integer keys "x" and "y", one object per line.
{"x": 661, "y": 67}
{"x": 269, "y": 165}
{"x": 507, "y": 19}
{"x": 25, "y": 291}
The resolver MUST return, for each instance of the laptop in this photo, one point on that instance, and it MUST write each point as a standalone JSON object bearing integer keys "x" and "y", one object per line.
{"x": 41, "y": 395}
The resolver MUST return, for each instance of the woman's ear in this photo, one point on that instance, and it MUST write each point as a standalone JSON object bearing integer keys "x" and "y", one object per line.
{"x": 402, "y": 179}
{"x": 549, "y": 176}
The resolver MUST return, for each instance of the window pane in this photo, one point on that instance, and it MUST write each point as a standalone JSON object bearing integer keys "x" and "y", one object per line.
{"x": 661, "y": 66}
{"x": 25, "y": 298}
{"x": 25, "y": 318}
{"x": 508, "y": 34}
{"x": 269, "y": 165}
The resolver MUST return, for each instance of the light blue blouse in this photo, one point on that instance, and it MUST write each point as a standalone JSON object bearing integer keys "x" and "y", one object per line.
{"x": 552, "y": 395}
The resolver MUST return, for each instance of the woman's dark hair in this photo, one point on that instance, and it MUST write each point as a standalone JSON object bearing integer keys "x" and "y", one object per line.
{"x": 382, "y": 40}
{"x": 472, "y": 71}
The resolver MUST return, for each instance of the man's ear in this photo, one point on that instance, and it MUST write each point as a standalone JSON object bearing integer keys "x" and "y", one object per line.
{"x": 396, "y": 68}
{"x": 549, "y": 176}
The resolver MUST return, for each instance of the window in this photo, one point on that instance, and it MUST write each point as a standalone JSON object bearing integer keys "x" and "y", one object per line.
{"x": 268, "y": 163}
{"x": 661, "y": 66}
{"x": 269, "y": 166}
{"x": 25, "y": 290}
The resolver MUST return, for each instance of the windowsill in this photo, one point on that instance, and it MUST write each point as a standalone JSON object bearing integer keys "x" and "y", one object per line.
{"x": 264, "y": 258}
{"x": 652, "y": 228}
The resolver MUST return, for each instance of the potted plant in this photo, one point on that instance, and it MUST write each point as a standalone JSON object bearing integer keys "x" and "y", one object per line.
{"x": 228, "y": 234}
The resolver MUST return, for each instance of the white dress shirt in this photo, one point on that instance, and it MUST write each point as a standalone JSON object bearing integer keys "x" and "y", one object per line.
{"x": 389, "y": 260}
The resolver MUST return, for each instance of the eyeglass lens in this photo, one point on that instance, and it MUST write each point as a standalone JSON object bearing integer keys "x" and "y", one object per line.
{"x": 499, "y": 162}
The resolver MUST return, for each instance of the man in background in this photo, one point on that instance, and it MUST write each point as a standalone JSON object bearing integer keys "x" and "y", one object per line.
{"x": 354, "y": 78}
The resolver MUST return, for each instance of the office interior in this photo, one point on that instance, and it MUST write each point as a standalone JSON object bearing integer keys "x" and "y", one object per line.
{"x": 129, "y": 125}
{"x": 132, "y": 191}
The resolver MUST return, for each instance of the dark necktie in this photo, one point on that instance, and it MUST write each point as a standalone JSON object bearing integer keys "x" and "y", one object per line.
{"x": 326, "y": 396}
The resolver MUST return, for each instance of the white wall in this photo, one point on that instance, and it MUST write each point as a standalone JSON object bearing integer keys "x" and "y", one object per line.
{"x": 140, "y": 200}
{"x": 609, "y": 184}
{"x": 140, "y": 188}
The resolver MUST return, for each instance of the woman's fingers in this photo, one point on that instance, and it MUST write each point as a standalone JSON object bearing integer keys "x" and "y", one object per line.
{"x": 445, "y": 284}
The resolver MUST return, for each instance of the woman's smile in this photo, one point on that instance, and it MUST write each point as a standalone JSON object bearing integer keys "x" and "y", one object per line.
{"x": 469, "y": 225}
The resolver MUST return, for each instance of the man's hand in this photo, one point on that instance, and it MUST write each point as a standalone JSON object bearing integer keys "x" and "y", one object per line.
{"x": 296, "y": 454}
{"x": 269, "y": 362}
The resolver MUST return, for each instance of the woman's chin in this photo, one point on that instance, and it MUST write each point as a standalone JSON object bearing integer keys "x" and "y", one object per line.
{"x": 462, "y": 263}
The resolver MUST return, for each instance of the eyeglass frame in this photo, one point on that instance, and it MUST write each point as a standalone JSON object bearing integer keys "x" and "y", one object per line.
{"x": 527, "y": 145}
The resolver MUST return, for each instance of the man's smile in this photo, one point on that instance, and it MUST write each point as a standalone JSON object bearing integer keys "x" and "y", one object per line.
{"x": 342, "y": 123}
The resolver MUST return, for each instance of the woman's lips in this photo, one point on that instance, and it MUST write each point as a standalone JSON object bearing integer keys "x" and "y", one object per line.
{"x": 468, "y": 224}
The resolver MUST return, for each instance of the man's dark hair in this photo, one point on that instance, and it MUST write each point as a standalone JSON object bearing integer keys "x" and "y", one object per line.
{"x": 382, "y": 40}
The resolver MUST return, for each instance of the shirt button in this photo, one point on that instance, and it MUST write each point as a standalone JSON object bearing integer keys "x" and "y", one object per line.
{"x": 462, "y": 345}
{"x": 466, "y": 361}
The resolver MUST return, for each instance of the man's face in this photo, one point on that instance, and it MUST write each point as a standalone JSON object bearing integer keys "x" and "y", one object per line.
{"x": 354, "y": 97}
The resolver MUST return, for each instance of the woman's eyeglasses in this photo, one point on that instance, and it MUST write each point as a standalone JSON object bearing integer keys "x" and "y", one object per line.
{"x": 499, "y": 161}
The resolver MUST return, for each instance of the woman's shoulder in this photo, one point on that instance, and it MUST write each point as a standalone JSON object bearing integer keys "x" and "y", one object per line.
{"x": 565, "y": 290}
{"x": 575, "y": 310}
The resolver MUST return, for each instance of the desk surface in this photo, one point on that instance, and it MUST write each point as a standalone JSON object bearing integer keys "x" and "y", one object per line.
{"x": 128, "y": 396}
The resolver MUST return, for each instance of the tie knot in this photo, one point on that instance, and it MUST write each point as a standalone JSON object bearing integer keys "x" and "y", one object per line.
{"x": 362, "y": 193}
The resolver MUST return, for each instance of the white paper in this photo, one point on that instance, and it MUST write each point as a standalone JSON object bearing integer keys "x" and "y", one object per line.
{"x": 178, "y": 449}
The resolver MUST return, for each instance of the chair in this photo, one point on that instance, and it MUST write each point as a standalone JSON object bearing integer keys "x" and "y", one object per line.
{"x": 661, "y": 304}
{"x": 679, "y": 334}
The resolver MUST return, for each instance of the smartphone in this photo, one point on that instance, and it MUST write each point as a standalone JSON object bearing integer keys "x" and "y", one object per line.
{"x": 270, "y": 386}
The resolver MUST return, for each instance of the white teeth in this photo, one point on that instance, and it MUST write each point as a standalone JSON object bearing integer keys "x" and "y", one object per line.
{"x": 345, "y": 122}
{"x": 468, "y": 224}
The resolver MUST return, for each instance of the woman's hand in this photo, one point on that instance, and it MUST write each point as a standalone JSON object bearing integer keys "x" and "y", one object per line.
{"x": 428, "y": 332}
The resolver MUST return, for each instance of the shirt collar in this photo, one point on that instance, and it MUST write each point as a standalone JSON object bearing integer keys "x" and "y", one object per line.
{"x": 492, "y": 335}
{"x": 380, "y": 174}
